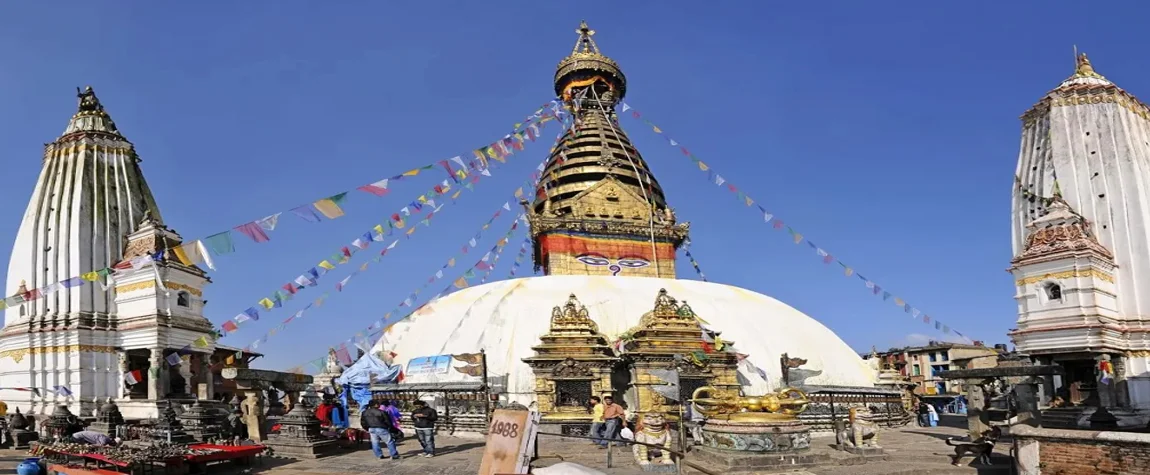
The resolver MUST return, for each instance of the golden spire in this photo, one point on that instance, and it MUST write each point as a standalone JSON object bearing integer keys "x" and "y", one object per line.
{"x": 1083, "y": 68}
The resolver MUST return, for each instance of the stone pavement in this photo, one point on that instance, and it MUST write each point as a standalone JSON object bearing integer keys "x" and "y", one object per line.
{"x": 911, "y": 450}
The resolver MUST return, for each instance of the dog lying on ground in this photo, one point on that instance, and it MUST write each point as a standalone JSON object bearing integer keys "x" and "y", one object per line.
{"x": 980, "y": 448}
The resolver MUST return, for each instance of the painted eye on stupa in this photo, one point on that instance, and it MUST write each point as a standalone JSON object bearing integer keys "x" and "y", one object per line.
{"x": 633, "y": 262}
{"x": 594, "y": 260}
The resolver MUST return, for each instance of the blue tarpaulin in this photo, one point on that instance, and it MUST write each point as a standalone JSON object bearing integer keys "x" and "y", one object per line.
{"x": 357, "y": 379}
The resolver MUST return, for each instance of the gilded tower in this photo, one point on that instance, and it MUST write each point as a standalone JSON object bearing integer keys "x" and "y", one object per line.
{"x": 598, "y": 209}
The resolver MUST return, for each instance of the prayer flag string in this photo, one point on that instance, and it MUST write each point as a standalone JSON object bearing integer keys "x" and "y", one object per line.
{"x": 796, "y": 237}
{"x": 201, "y": 251}
{"x": 398, "y": 220}
{"x": 519, "y": 257}
{"x": 380, "y": 326}
{"x": 694, "y": 263}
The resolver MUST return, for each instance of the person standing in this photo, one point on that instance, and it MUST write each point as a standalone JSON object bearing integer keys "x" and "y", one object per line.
{"x": 596, "y": 420}
{"x": 932, "y": 415}
{"x": 392, "y": 409}
{"x": 612, "y": 419}
{"x": 423, "y": 418}
{"x": 923, "y": 415}
{"x": 378, "y": 424}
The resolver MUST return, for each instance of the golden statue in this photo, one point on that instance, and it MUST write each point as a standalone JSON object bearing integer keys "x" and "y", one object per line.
{"x": 784, "y": 405}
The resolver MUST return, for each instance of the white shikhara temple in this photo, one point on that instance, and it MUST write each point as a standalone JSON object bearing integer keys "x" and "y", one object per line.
{"x": 1081, "y": 241}
{"x": 72, "y": 340}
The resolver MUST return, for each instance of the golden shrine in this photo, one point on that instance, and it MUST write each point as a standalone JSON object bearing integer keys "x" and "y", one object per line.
{"x": 672, "y": 337}
{"x": 573, "y": 363}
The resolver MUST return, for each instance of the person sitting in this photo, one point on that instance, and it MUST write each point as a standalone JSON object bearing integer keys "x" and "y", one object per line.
{"x": 338, "y": 416}
{"x": 323, "y": 412}
{"x": 91, "y": 437}
{"x": 378, "y": 424}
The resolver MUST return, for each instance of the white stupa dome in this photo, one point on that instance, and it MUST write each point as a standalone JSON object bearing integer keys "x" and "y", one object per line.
{"x": 507, "y": 318}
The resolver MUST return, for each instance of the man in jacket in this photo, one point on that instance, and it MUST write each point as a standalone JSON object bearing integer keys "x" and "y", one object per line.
{"x": 423, "y": 418}
{"x": 377, "y": 423}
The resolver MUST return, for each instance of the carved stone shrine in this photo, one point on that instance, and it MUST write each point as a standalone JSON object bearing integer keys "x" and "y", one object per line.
{"x": 201, "y": 423}
{"x": 20, "y": 428}
{"x": 61, "y": 425}
{"x": 108, "y": 418}
{"x": 299, "y": 435}
{"x": 169, "y": 428}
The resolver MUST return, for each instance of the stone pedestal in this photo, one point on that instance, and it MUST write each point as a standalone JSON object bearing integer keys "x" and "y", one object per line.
{"x": 756, "y": 445}
{"x": 299, "y": 435}
{"x": 770, "y": 437}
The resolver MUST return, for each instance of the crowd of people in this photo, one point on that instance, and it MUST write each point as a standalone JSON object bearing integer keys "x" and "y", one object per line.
{"x": 380, "y": 421}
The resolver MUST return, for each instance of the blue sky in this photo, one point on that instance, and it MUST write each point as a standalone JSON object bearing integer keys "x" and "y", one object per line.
{"x": 886, "y": 133}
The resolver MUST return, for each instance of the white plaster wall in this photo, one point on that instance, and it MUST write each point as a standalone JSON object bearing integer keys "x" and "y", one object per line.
{"x": 1100, "y": 154}
{"x": 83, "y": 205}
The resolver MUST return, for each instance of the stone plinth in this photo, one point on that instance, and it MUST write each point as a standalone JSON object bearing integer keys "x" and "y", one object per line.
{"x": 299, "y": 435}
{"x": 760, "y": 437}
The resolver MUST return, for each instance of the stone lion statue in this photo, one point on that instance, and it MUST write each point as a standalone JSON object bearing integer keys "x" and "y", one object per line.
{"x": 653, "y": 430}
{"x": 858, "y": 433}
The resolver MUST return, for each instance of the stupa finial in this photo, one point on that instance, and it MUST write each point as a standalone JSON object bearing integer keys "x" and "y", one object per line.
{"x": 585, "y": 44}
{"x": 1057, "y": 190}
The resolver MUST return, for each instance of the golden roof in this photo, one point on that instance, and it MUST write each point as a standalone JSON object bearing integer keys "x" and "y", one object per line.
{"x": 586, "y": 59}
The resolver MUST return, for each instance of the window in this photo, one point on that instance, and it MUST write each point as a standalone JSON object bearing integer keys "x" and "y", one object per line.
{"x": 933, "y": 357}
{"x": 943, "y": 356}
{"x": 572, "y": 393}
{"x": 183, "y": 299}
{"x": 1053, "y": 292}
{"x": 917, "y": 371}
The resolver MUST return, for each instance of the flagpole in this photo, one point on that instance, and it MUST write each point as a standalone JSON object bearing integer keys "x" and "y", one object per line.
{"x": 682, "y": 436}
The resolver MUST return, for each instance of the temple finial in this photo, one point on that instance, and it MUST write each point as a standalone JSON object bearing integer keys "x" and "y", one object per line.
{"x": 585, "y": 44}
{"x": 88, "y": 100}
{"x": 1082, "y": 66}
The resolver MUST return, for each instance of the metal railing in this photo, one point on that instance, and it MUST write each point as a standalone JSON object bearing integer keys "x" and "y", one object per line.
{"x": 610, "y": 459}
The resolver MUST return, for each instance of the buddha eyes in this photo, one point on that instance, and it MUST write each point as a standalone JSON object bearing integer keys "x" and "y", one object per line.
{"x": 594, "y": 260}
{"x": 633, "y": 263}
